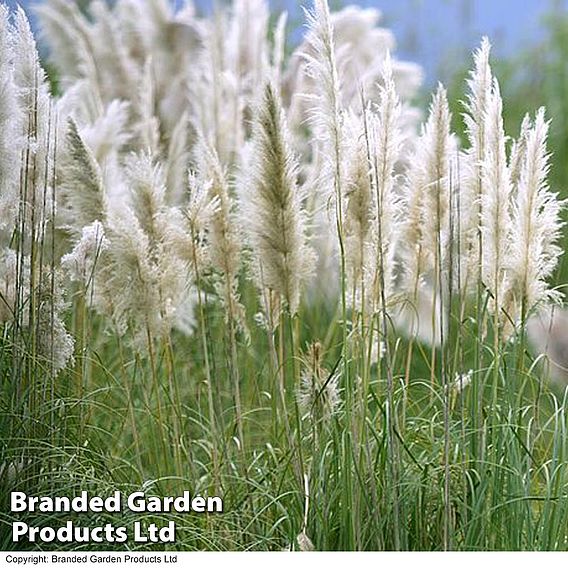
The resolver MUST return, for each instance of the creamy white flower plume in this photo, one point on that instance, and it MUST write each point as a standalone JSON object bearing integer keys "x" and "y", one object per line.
{"x": 117, "y": 71}
{"x": 480, "y": 84}
{"x": 31, "y": 290}
{"x": 139, "y": 257}
{"x": 547, "y": 333}
{"x": 217, "y": 105}
{"x": 495, "y": 206}
{"x": 325, "y": 118}
{"x": 425, "y": 238}
{"x": 279, "y": 49}
{"x": 11, "y": 135}
{"x": 360, "y": 50}
{"x": 147, "y": 124}
{"x": 146, "y": 184}
{"x": 518, "y": 152}
{"x": 385, "y": 136}
{"x": 247, "y": 43}
{"x": 177, "y": 160}
{"x": 111, "y": 46}
{"x": 38, "y": 127}
{"x": 65, "y": 29}
{"x": 535, "y": 230}
{"x": 201, "y": 207}
{"x": 129, "y": 293}
{"x": 274, "y": 219}
{"x": 233, "y": 65}
{"x": 80, "y": 264}
{"x": 325, "y": 101}
{"x": 360, "y": 210}
{"x": 224, "y": 233}
{"x": 55, "y": 344}
{"x": 199, "y": 214}
{"x": 105, "y": 130}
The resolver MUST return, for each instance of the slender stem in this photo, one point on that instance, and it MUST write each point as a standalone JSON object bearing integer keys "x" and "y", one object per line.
{"x": 156, "y": 383}
{"x": 175, "y": 397}
{"x": 208, "y": 375}
{"x": 129, "y": 388}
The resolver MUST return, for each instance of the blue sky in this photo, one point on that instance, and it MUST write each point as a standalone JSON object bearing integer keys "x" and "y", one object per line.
{"x": 435, "y": 32}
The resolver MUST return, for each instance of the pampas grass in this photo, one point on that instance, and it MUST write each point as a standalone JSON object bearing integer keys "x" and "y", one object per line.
{"x": 535, "y": 226}
{"x": 427, "y": 191}
{"x": 480, "y": 83}
{"x": 255, "y": 274}
{"x": 82, "y": 195}
{"x": 495, "y": 201}
{"x": 274, "y": 218}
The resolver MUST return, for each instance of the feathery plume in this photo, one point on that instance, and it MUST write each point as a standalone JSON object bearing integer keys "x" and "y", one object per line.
{"x": 199, "y": 213}
{"x": 518, "y": 153}
{"x": 385, "y": 137}
{"x": 31, "y": 291}
{"x": 80, "y": 264}
{"x": 80, "y": 187}
{"x": 325, "y": 116}
{"x": 279, "y": 48}
{"x": 164, "y": 227}
{"x": 547, "y": 333}
{"x": 11, "y": 139}
{"x": 65, "y": 30}
{"x": 146, "y": 184}
{"x": 495, "y": 205}
{"x": 425, "y": 237}
{"x": 325, "y": 102}
{"x": 128, "y": 291}
{"x": 147, "y": 124}
{"x": 38, "y": 128}
{"x": 103, "y": 129}
{"x": 273, "y": 209}
{"x": 360, "y": 48}
{"x": 143, "y": 282}
{"x": 480, "y": 84}
{"x": 426, "y": 233}
{"x": 224, "y": 234}
{"x": 55, "y": 344}
{"x": 177, "y": 159}
{"x": 217, "y": 104}
{"x": 247, "y": 39}
{"x": 535, "y": 229}
{"x": 118, "y": 73}
{"x": 359, "y": 210}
